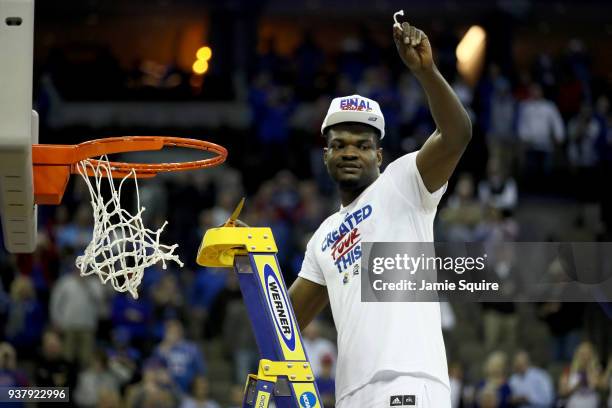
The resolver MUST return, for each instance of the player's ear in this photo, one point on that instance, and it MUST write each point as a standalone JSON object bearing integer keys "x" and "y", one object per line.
{"x": 325, "y": 152}
{"x": 379, "y": 156}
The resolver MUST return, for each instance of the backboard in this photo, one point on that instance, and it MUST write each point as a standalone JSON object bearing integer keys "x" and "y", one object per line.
{"x": 18, "y": 125}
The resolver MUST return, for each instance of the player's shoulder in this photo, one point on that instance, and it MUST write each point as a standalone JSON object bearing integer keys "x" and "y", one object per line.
{"x": 399, "y": 169}
{"x": 404, "y": 162}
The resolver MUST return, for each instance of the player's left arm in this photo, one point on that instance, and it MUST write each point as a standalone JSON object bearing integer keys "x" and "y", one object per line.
{"x": 440, "y": 154}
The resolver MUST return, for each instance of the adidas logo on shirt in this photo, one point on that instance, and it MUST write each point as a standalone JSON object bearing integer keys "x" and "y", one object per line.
{"x": 396, "y": 401}
{"x": 402, "y": 400}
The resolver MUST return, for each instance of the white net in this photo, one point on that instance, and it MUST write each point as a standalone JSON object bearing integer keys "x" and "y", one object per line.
{"x": 121, "y": 247}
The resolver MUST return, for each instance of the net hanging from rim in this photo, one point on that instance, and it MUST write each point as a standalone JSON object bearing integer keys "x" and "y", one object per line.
{"x": 122, "y": 247}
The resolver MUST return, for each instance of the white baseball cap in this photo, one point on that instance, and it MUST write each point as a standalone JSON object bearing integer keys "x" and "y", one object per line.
{"x": 355, "y": 108}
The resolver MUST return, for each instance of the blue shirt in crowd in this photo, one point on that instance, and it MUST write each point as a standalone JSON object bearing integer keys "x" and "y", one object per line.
{"x": 535, "y": 385}
{"x": 184, "y": 361}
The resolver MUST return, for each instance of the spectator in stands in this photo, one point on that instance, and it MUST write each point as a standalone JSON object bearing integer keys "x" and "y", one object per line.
{"x": 269, "y": 59}
{"x": 272, "y": 128}
{"x": 75, "y": 306}
{"x": 498, "y": 190}
{"x": 133, "y": 315}
{"x": 94, "y": 380}
{"x": 570, "y": 91}
{"x": 10, "y": 375}
{"x": 326, "y": 383}
{"x": 309, "y": 59}
{"x": 26, "y": 317}
{"x": 606, "y": 152}
{"x": 199, "y": 395}
{"x": 521, "y": 90}
{"x": 584, "y": 150}
{"x": 564, "y": 319}
{"x": 531, "y": 386}
{"x": 42, "y": 267}
{"x": 236, "y": 396}
{"x": 286, "y": 197}
{"x": 53, "y": 370}
{"x": 312, "y": 207}
{"x": 464, "y": 92}
{"x": 227, "y": 293}
{"x": 168, "y": 302}
{"x": 182, "y": 357}
{"x": 488, "y": 398}
{"x": 153, "y": 197}
{"x": 318, "y": 347}
{"x": 225, "y": 204}
{"x": 544, "y": 71}
{"x": 156, "y": 389}
{"x": 583, "y": 132}
{"x": 411, "y": 99}
{"x": 495, "y": 380}
{"x": 500, "y": 320}
{"x": 283, "y": 211}
{"x": 578, "y": 382}
{"x": 501, "y": 134}
{"x": 123, "y": 359}
{"x": 109, "y": 399}
{"x": 77, "y": 234}
{"x": 496, "y": 227}
{"x": 5, "y": 298}
{"x": 204, "y": 290}
{"x": 238, "y": 340}
{"x": 376, "y": 84}
{"x": 541, "y": 129}
{"x": 462, "y": 212}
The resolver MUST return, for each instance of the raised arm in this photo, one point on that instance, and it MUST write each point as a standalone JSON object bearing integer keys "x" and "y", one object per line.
{"x": 308, "y": 299}
{"x": 441, "y": 152}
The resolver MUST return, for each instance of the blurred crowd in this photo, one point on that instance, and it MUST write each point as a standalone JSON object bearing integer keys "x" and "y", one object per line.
{"x": 540, "y": 134}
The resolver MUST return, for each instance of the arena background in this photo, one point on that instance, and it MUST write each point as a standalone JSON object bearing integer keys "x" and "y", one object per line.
{"x": 107, "y": 68}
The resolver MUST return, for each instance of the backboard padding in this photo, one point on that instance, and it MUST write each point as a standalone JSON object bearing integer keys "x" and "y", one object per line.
{"x": 18, "y": 125}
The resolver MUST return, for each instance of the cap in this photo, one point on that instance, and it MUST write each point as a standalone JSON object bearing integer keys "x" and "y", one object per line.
{"x": 355, "y": 108}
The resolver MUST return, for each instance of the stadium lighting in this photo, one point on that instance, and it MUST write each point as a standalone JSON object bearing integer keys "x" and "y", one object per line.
{"x": 470, "y": 44}
{"x": 470, "y": 53}
{"x": 204, "y": 53}
{"x": 200, "y": 67}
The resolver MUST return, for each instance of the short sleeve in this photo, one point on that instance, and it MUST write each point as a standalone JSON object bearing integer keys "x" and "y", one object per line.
{"x": 310, "y": 267}
{"x": 405, "y": 175}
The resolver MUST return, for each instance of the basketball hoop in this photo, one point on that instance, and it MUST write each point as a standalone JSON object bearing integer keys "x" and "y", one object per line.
{"x": 122, "y": 247}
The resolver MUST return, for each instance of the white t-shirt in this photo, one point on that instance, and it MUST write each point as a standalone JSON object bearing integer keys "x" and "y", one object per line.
{"x": 378, "y": 338}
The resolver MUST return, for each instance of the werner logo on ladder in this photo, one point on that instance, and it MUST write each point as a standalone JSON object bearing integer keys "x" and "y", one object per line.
{"x": 279, "y": 308}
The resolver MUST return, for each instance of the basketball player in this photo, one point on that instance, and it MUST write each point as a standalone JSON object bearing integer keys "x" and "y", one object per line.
{"x": 390, "y": 354}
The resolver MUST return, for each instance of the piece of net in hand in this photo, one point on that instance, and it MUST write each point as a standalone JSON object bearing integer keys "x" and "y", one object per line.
{"x": 122, "y": 247}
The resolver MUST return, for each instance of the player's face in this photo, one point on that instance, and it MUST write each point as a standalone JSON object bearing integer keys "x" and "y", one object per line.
{"x": 351, "y": 156}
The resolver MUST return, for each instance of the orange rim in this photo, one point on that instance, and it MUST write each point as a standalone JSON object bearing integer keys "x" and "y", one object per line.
{"x": 53, "y": 155}
{"x": 54, "y": 163}
{"x": 152, "y": 169}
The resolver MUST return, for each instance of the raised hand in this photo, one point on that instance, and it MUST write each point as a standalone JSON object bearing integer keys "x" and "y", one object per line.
{"x": 413, "y": 47}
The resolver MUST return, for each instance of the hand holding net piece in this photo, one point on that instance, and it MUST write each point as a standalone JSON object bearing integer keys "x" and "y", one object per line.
{"x": 121, "y": 247}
